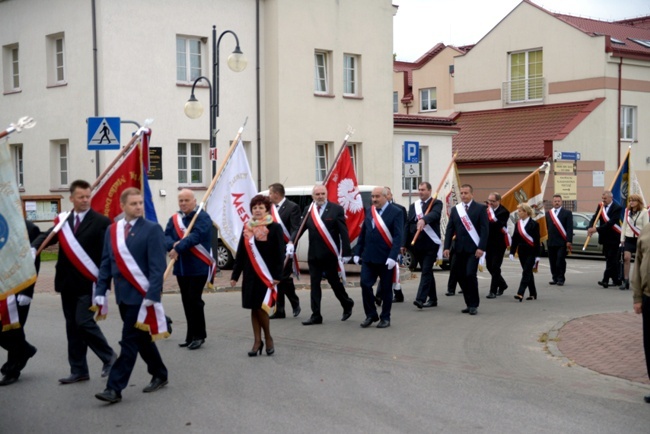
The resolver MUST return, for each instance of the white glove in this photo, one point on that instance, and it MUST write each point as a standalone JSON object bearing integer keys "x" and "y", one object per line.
{"x": 356, "y": 259}
{"x": 146, "y": 302}
{"x": 391, "y": 263}
{"x": 23, "y": 300}
{"x": 289, "y": 250}
{"x": 33, "y": 251}
{"x": 100, "y": 300}
{"x": 346, "y": 259}
{"x": 536, "y": 261}
{"x": 512, "y": 257}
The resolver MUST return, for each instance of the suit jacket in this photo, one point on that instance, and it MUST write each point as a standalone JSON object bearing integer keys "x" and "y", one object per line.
{"x": 146, "y": 242}
{"x": 606, "y": 232}
{"x": 555, "y": 238}
{"x": 520, "y": 245}
{"x": 290, "y": 215}
{"x": 33, "y": 232}
{"x": 334, "y": 220}
{"x": 496, "y": 239}
{"x": 188, "y": 264}
{"x": 90, "y": 236}
{"x": 432, "y": 218}
{"x": 371, "y": 247}
{"x": 478, "y": 216}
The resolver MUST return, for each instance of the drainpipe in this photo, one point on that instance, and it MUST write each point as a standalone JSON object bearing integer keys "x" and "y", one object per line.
{"x": 257, "y": 96}
{"x": 95, "y": 78}
{"x": 618, "y": 125}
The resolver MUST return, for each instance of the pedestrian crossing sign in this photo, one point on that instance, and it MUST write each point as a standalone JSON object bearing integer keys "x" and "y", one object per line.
{"x": 103, "y": 133}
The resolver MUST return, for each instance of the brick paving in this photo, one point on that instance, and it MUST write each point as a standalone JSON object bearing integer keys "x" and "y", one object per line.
{"x": 609, "y": 343}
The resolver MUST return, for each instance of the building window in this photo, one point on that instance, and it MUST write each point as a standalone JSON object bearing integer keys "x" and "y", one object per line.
{"x": 188, "y": 59}
{"x": 395, "y": 103}
{"x": 321, "y": 161}
{"x": 350, "y": 75}
{"x": 628, "y": 122}
{"x": 321, "y": 72}
{"x": 190, "y": 163}
{"x": 428, "y": 101}
{"x": 410, "y": 182}
{"x": 63, "y": 163}
{"x": 17, "y": 160}
{"x": 11, "y": 69}
{"x": 56, "y": 59}
{"x": 526, "y": 76}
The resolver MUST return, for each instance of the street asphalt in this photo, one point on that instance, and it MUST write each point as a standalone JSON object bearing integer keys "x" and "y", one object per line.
{"x": 433, "y": 371}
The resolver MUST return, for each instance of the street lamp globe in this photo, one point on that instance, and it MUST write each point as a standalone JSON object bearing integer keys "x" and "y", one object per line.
{"x": 193, "y": 108}
{"x": 237, "y": 61}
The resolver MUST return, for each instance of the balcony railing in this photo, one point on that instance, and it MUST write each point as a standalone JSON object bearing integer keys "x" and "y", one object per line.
{"x": 528, "y": 90}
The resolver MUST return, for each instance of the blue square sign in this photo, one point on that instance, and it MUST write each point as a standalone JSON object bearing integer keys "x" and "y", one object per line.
{"x": 103, "y": 134}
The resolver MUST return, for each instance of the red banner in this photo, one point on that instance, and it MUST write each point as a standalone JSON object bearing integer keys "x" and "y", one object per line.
{"x": 127, "y": 173}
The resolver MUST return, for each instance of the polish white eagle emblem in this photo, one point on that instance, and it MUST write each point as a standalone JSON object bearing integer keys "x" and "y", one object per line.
{"x": 349, "y": 196}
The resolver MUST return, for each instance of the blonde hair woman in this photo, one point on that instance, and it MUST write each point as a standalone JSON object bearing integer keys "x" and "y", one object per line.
{"x": 525, "y": 242}
{"x": 636, "y": 217}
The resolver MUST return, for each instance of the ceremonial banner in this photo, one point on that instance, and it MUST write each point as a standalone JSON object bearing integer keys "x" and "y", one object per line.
{"x": 342, "y": 188}
{"x": 229, "y": 202}
{"x": 529, "y": 191}
{"x": 449, "y": 195}
{"x": 17, "y": 270}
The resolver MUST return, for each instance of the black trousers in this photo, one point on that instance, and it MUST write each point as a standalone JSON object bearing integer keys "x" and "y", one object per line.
{"x": 191, "y": 292}
{"x": 464, "y": 269}
{"x": 645, "y": 312}
{"x": 527, "y": 276}
{"x": 287, "y": 287}
{"x": 329, "y": 267}
{"x": 134, "y": 341}
{"x": 427, "y": 287}
{"x": 18, "y": 349}
{"x": 611, "y": 263}
{"x": 369, "y": 274}
{"x": 557, "y": 261}
{"x": 83, "y": 333}
{"x": 494, "y": 260}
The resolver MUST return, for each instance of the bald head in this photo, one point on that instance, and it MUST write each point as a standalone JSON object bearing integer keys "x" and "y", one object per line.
{"x": 186, "y": 201}
{"x": 319, "y": 195}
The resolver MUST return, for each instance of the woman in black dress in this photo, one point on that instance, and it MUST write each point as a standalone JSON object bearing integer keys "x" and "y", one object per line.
{"x": 261, "y": 239}
{"x": 525, "y": 241}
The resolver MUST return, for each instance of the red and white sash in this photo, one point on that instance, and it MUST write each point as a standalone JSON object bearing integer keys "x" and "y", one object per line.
{"x": 558, "y": 224}
{"x": 9, "y": 313}
{"x": 287, "y": 239}
{"x": 636, "y": 231}
{"x": 427, "y": 228}
{"x": 522, "y": 231}
{"x": 471, "y": 230}
{"x": 380, "y": 225}
{"x": 492, "y": 217}
{"x": 606, "y": 219}
{"x": 198, "y": 250}
{"x": 262, "y": 271}
{"x": 329, "y": 241}
{"x": 150, "y": 318}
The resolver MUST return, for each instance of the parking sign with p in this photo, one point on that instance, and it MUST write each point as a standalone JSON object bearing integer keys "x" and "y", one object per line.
{"x": 411, "y": 152}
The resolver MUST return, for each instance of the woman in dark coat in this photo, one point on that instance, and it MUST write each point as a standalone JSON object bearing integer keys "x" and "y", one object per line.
{"x": 525, "y": 241}
{"x": 261, "y": 276}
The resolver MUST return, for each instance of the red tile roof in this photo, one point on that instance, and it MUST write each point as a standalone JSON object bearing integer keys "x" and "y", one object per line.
{"x": 495, "y": 137}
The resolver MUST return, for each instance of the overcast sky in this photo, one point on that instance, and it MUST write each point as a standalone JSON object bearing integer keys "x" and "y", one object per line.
{"x": 421, "y": 24}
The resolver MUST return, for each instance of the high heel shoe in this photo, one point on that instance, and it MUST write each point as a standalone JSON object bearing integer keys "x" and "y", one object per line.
{"x": 519, "y": 297}
{"x": 270, "y": 348}
{"x": 531, "y": 297}
{"x": 256, "y": 351}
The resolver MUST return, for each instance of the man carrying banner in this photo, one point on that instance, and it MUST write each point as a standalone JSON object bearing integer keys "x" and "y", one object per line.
{"x": 329, "y": 249}
{"x": 378, "y": 246}
{"x": 498, "y": 241}
{"x": 134, "y": 257}
{"x": 469, "y": 223}
{"x": 608, "y": 213}
{"x": 559, "y": 222}
{"x": 287, "y": 214}
{"x": 425, "y": 219}
{"x": 398, "y": 295}
{"x": 193, "y": 265}
{"x": 80, "y": 240}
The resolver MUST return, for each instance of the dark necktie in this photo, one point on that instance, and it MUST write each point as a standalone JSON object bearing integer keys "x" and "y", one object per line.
{"x": 77, "y": 222}
{"x": 127, "y": 229}
{"x": 318, "y": 209}
{"x": 466, "y": 208}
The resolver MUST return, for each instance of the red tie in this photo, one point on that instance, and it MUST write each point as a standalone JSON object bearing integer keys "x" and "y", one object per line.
{"x": 127, "y": 229}
{"x": 77, "y": 222}
{"x": 318, "y": 209}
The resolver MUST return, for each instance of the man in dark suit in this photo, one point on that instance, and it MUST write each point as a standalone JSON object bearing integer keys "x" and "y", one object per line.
{"x": 498, "y": 234}
{"x": 378, "y": 246}
{"x": 559, "y": 222}
{"x": 323, "y": 258}
{"x": 19, "y": 351}
{"x": 289, "y": 218}
{"x": 193, "y": 263}
{"x": 145, "y": 254}
{"x": 398, "y": 295}
{"x": 609, "y": 235}
{"x": 469, "y": 223}
{"x": 86, "y": 229}
{"x": 427, "y": 244}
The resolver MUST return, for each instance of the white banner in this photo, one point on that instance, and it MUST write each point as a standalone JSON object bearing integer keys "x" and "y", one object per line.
{"x": 449, "y": 195}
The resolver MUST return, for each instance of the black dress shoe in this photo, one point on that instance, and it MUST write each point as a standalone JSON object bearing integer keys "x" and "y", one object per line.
{"x": 74, "y": 378}
{"x": 156, "y": 383}
{"x": 449, "y": 293}
{"x": 647, "y": 399}
{"x": 196, "y": 344}
{"x": 430, "y": 303}
{"x": 418, "y": 304}
{"x": 109, "y": 396}
{"x": 552, "y": 282}
{"x": 296, "y": 311}
{"x": 473, "y": 311}
{"x": 184, "y": 344}
{"x": 491, "y": 295}
{"x": 29, "y": 353}
{"x": 106, "y": 369}
{"x": 466, "y": 310}
{"x": 500, "y": 291}
{"x": 278, "y": 315}
{"x": 8, "y": 379}
{"x": 313, "y": 320}
{"x": 603, "y": 284}
{"x": 378, "y": 300}
{"x": 346, "y": 315}
{"x": 383, "y": 324}
{"x": 366, "y": 322}
{"x": 398, "y": 296}
{"x": 560, "y": 283}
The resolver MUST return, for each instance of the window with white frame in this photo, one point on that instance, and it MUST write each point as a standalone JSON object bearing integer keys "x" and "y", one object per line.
{"x": 190, "y": 163}
{"x": 410, "y": 182}
{"x": 61, "y": 149}
{"x": 526, "y": 76}
{"x": 321, "y": 72}
{"x": 428, "y": 101}
{"x": 628, "y": 123}
{"x": 354, "y": 149}
{"x": 321, "y": 161}
{"x": 395, "y": 102}
{"x": 56, "y": 74}
{"x": 350, "y": 75}
{"x": 188, "y": 58}
{"x": 17, "y": 161}
{"x": 11, "y": 68}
